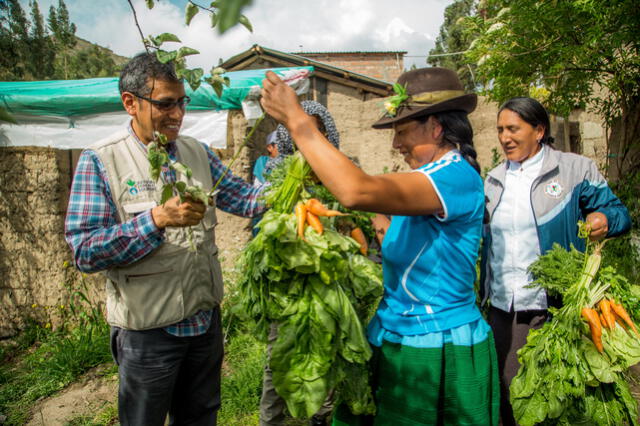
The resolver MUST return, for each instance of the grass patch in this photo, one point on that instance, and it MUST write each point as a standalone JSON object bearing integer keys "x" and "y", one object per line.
{"x": 242, "y": 380}
{"x": 56, "y": 361}
{"x": 42, "y": 361}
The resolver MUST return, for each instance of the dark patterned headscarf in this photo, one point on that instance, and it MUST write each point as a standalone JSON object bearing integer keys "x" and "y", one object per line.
{"x": 283, "y": 138}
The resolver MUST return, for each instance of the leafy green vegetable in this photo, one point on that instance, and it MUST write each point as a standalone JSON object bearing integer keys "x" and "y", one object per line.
{"x": 320, "y": 291}
{"x": 563, "y": 378}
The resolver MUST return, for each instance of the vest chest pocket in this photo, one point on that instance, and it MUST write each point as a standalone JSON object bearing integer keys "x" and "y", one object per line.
{"x": 133, "y": 209}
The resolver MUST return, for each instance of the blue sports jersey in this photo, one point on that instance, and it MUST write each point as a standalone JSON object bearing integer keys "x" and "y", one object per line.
{"x": 429, "y": 261}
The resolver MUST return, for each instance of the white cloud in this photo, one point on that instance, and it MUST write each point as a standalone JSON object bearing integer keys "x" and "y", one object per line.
{"x": 286, "y": 25}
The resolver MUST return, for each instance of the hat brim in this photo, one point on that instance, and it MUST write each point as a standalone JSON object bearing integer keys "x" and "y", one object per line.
{"x": 466, "y": 103}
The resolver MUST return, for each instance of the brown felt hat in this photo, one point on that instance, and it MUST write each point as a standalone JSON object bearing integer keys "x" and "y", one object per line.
{"x": 430, "y": 90}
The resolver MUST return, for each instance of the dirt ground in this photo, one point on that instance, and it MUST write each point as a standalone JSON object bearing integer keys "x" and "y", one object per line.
{"x": 87, "y": 396}
{"x": 95, "y": 391}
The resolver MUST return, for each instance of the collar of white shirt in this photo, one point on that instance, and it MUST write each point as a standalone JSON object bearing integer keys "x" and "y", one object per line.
{"x": 530, "y": 164}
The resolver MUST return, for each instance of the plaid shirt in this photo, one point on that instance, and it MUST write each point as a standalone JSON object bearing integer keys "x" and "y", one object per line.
{"x": 99, "y": 242}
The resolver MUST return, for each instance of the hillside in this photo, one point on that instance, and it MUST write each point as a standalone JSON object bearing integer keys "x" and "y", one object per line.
{"x": 84, "y": 44}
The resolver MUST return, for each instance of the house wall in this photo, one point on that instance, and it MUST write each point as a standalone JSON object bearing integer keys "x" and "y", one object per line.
{"x": 385, "y": 66}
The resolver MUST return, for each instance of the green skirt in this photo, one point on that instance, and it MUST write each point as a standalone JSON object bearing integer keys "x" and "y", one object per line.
{"x": 449, "y": 385}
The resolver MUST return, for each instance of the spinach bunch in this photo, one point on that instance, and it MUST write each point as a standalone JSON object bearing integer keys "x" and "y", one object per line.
{"x": 563, "y": 378}
{"x": 319, "y": 291}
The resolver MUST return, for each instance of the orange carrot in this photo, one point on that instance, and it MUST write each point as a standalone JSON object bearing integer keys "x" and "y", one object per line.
{"x": 358, "y": 235}
{"x": 622, "y": 313}
{"x": 594, "y": 324}
{"x": 605, "y": 308}
{"x": 319, "y": 209}
{"x": 314, "y": 222}
{"x": 301, "y": 217}
{"x": 603, "y": 320}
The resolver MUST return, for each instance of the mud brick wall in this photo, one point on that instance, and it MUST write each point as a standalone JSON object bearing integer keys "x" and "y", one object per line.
{"x": 34, "y": 186}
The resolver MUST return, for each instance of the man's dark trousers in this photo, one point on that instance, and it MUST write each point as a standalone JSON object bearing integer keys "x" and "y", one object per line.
{"x": 162, "y": 373}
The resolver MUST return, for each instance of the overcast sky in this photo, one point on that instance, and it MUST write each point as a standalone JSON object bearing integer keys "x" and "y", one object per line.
{"x": 285, "y": 25}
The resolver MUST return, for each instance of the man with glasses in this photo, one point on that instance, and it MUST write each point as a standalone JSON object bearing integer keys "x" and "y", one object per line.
{"x": 162, "y": 296}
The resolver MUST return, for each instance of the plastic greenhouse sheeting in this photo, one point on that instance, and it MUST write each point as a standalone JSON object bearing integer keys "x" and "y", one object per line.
{"x": 71, "y": 98}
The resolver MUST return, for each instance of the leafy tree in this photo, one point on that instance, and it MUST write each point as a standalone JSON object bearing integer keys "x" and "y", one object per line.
{"x": 453, "y": 40}
{"x": 15, "y": 40}
{"x": 64, "y": 37}
{"x": 41, "y": 54}
{"x": 567, "y": 53}
{"x": 92, "y": 62}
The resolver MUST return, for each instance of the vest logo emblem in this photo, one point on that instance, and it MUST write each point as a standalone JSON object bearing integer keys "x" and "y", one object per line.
{"x": 136, "y": 187}
{"x": 132, "y": 187}
{"x": 553, "y": 189}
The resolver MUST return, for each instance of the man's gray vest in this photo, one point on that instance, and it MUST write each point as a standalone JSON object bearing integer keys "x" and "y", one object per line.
{"x": 173, "y": 282}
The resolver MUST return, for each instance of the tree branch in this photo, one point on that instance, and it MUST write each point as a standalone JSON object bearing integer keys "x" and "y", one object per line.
{"x": 135, "y": 18}
{"x": 200, "y": 6}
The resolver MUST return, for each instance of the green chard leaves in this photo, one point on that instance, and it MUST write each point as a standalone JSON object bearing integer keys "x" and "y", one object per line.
{"x": 319, "y": 291}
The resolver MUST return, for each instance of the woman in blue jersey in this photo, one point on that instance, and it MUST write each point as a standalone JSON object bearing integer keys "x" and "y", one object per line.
{"x": 434, "y": 356}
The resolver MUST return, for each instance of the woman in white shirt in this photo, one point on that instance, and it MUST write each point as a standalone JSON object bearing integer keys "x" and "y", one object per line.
{"x": 534, "y": 199}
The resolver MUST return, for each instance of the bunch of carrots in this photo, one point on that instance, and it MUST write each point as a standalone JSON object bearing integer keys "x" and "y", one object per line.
{"x": 310, "y": 213}
{"x": 610, "y": 313}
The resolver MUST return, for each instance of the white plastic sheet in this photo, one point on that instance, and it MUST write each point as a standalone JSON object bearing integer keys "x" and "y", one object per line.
{"x": 208, "y": 126}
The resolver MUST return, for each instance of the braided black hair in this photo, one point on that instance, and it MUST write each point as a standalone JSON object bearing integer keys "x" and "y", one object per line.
{"x": 458, "y": 132}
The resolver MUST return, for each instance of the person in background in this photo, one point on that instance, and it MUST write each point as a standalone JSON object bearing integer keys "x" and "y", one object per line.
{"x": 272, "y": 406}
{"x": 434, "y": 355}
{"x": 258, "y": 167}
{"x": 163, "y": 299}
{"x": 535, "y": 198}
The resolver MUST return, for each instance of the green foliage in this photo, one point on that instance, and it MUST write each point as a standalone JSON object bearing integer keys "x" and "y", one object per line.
{"x": 624, "y": 252}
{"x": 31, "y": 50}
{"x": 496, "y": 159}
{"x": 453, "y": 40}
{"x": 41, "y": 58}
{"x": 567, "y": 53}
{"x": 57, "y": 358}
{"x": 224, "y": 15}
{"x": 563, "y": 378}
{"x": 319, "y": 290}
{"x": 5, "y": 116}
{"x": 242, "y": 380}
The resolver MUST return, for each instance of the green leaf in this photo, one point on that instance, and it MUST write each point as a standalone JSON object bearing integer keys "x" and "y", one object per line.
{"x": 149, "y": 4}
{"x": 190, "y": 12}
{"x": 164, "y": 37}
{"x": 181, "y": 168}
{"x": 217, "y": 82}
{"x": 230, "y": 11}
{"x": 167, "y": 193}
{"x": 181, "y": 187}
{"x": 214, "y": 19}
{"x": 164, "y": 56}
{"x": 193, "y": 77}
{"x": 186, "y": 51}
{"x": 245, "y": 21}
{"x": 197, "y": 194}
{"x": 6, "y": 116}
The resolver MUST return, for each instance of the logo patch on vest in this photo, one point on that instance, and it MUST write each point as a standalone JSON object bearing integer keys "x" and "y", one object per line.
{"x": 553, "y": 189}
{"x": 144, "y": 185}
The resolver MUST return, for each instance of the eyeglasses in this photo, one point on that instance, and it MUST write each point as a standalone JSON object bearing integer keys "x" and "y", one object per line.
{"x": 166, "y": 105}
